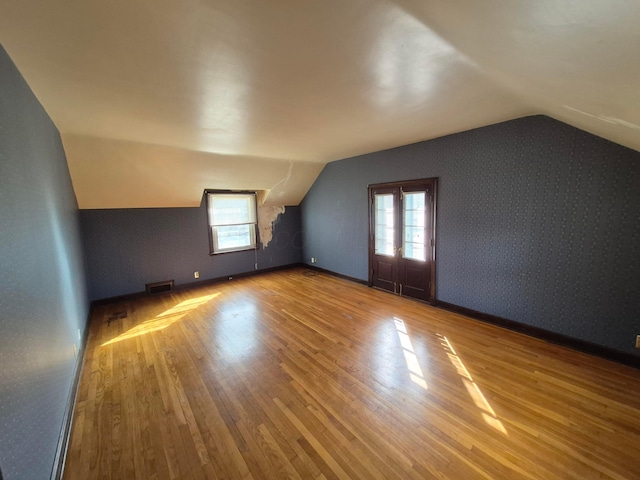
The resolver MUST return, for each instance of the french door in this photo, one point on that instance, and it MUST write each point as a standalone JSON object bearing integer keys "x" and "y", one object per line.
{"x": 402, "y": 238}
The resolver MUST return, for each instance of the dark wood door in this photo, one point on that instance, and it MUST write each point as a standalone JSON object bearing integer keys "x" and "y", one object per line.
{"x": 401, "y": 240}
{"x": 383, "y": 250}
{"x": 414, "y": 257}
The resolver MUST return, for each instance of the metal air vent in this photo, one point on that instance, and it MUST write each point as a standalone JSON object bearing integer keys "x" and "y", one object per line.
{"x": 159, "y": 287}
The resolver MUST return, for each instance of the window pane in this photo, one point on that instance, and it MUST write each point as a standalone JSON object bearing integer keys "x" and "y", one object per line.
{"x": 234, "y": 237}
{"x": 414, "y": 235}
{"x": 232, "y": 209}
{"x": 414, "y": 251}
{"x": 414, "y": 201}
{"x": 384, "y": 225}
{"x": 414, "y": 242}
{"x": 414, "y": 218}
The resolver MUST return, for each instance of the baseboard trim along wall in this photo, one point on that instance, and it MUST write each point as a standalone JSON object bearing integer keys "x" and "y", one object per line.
{"x": 551, "y": 337}
{"x": 67, "y": 422}
{"x": 335, "y": 274}
{"x": 186, "y": 286}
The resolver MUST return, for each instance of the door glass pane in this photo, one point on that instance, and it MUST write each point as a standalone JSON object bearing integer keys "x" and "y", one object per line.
{"x": 414, "y": 241}
{"x": 384, "y": 225}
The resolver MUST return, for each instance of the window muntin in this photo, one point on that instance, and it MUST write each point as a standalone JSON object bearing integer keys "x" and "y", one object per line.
{"x": 232, "y": 221}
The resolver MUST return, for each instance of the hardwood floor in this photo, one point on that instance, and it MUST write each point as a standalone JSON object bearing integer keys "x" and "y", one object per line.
{"x": 285, "y": 375}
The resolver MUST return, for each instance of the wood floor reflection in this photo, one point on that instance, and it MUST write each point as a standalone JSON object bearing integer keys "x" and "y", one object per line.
{"x": 287, "y": 375}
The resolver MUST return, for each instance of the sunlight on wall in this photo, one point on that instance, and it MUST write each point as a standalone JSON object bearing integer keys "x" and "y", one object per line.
{"x": 410, "y": 358}
{"x": 164, "y": 319}
{"x": 472, "y": 387}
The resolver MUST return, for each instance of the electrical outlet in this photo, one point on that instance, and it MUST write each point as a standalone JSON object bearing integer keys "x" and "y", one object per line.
{"x": 637, "y": 341}
{"x": 196, "y": 274}
{"x": 314, "y": 260}
{"x": 79, "y": 337}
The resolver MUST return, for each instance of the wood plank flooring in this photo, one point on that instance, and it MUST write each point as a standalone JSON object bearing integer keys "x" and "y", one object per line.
{"x": 289, "y": 375}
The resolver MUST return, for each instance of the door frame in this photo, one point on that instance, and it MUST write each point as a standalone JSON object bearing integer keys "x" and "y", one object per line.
{"x": 432, "y": 184}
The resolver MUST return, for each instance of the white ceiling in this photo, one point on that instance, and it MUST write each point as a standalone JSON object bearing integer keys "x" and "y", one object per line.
{"x": 158, "y": 99}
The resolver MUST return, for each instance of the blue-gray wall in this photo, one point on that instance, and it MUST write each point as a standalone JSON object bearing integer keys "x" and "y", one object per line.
{"x": 43, "y": 301}
{"x": 537, "y": 222}
{"x": 128, "y": 248}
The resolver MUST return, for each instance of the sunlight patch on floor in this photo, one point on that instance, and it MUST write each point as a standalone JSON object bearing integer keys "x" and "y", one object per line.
{"x": 410, "y": 358}
{"x": 488, "y": 414}
{"x": 164, "y": 319}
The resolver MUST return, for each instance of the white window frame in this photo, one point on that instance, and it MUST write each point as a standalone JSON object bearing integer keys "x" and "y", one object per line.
{"x": 216, "y": 225}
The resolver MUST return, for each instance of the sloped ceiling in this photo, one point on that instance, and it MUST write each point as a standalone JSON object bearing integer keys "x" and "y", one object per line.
{"x": 158, "y": 99}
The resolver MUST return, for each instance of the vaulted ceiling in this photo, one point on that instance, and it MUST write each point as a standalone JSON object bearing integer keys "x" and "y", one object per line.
{"x": 157, "y": 100}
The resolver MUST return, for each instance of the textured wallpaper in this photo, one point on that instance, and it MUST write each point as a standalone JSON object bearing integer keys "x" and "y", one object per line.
{"x": 43, "y": 301}
{"x": 537, "y": 222}
{"x": 128, "y": 248}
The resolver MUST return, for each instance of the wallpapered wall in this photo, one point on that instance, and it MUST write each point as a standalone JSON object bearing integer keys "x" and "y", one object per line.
{"x": 126, "y": 249}
{"x": 537, "y": 222}
{"x": 43, "y": 301}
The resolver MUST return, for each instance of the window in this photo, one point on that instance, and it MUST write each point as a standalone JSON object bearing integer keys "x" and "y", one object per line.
{"x": 232, "y": 221}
